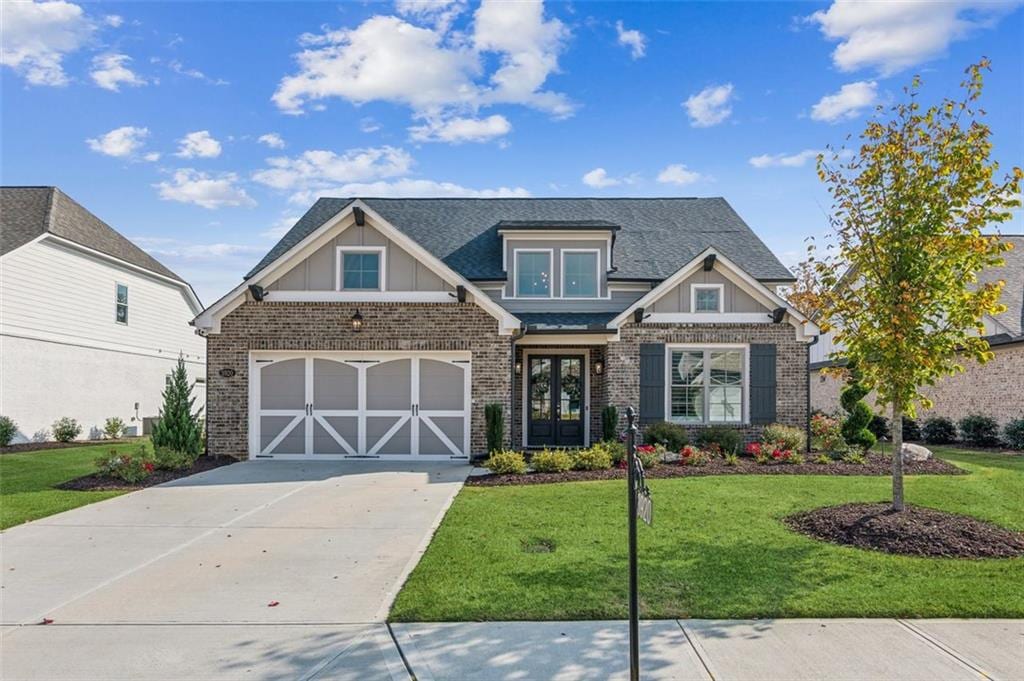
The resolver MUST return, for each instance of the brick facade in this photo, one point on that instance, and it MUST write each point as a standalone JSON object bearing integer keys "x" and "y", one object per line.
{"x": 987, "y": 389}
{"x": 327, "y": 326}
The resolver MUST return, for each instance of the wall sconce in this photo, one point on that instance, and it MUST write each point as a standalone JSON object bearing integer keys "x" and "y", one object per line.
{"x": 519, "y": 368}
{"x": 357, "y": 321}
{"x": 598, "y": 367}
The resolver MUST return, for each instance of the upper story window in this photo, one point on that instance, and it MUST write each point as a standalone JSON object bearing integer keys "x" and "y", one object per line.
{"x": 533, "y": 273}
{"x": 121, "y": 304}
{"x": 579, "y": 273}
{"x": 361, "y": 269}
{"x": 707, "y": 385}
{"x": 706, "y": 297}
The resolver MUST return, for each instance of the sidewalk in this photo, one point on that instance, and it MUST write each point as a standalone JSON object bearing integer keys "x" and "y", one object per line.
{"x": 723, "y": 650}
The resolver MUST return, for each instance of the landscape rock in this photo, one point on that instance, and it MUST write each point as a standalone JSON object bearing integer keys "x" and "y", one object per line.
{"x": 913, "y": 452}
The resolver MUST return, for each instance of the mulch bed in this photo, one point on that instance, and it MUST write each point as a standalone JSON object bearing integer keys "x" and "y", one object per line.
{"x": 40, "y": 446}
{"x": 917, "y": 531}
{"x": 875, "y": 464}
{"x": 96, "y": 483}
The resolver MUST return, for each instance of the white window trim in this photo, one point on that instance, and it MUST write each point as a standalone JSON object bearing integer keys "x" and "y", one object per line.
{"x": 117, "y": 303}
{"x": 596, "y": 252}
{"x": 551, "y": 271}
{"x": 707, "y": 287}
{"x": 706, "y": 347}
{"x": 340, "y": 260}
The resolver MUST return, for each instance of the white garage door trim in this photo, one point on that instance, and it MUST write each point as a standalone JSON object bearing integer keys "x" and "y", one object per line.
{"x": 306, "y": 424}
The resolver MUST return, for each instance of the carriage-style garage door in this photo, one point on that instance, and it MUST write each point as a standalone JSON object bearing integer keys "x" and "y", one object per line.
{"x": 343, "y": 405}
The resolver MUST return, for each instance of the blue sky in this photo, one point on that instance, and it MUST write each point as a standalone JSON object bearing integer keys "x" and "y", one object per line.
{"x": 202, "y": 130}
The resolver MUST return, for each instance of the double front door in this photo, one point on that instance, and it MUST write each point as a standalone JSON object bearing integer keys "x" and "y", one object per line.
{"x": 556, "y": 393}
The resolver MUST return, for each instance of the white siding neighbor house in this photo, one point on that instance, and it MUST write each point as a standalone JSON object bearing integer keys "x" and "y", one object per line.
{"x": 90, "y": 325}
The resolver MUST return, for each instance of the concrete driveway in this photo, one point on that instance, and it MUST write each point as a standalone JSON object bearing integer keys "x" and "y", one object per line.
{"x": 176, "y": 581}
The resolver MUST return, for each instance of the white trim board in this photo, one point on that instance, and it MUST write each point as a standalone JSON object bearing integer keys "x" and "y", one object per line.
{"x": 597, "y": 273}
{"x": 744, "y": 396}
{"x": 551, "y": 273}
{"x": 707, "y": 287}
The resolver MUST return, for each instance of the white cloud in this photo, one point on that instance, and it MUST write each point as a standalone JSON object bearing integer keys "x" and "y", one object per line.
{"x": 110, "y": 71}
{"x": 272, "y": 140}
{"x": 797, "y": 160}
{"x": 848, "y": 103}
{"x": 113, "y": 20}
{"x": 439, "y": 13}
{"x": 431, "y": 69}
{"x": 598, "y": 178}
{"x": 458, "y": 130}
{"x": 121, "y": 142}
{"x": 35, "y": 38}
{"x": 412, "y": 188}
{"x": 633, "y": 39}
{"x": 281, "y": 226}
{"x": 152, "y": 156}
{"x": 710, "y": 106}
{"x": 678, "y": 174}
{"x": 368, "y": 124}
{"x": 198, "y": 144}
{"x": 316, "y": 169}
{"x": 161, "y": 247}
{"x": 203, "y": 189}
{"x": 897, "y": 34}
{"x": 178, "y": 67}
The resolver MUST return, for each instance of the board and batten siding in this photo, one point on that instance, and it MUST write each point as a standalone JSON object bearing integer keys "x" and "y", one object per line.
{"x": 319, "y": 271}
{"x": 63, "y": 352}
{"x": 734, "y": 299}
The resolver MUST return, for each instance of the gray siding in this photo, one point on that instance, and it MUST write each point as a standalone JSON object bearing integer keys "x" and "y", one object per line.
{"x": 556, "y": 249}
{"x": 318, "y": 272}
{"x": 734, "y": 299}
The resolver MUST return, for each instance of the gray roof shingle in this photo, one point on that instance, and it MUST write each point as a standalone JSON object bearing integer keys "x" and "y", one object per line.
{"x": 1013, "y": 292}
{"x": 656, "y": 236}
{"x": 27, "y": 212}
{"x": 566, "y": 321}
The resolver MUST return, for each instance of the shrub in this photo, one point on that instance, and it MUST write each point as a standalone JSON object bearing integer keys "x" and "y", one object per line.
{"x": 130, "y": 468}
{"x": 616, "y": 449}
{"x": 179, "y": 428}
{"x": 650, "y": 455}
{"x": 1014, "y": 434}
{"x": 938, "y": 430}
{"x": 551, "y": 461}
{"x": 609, "y": 422}
{"x": 113, "y": 427}
{"x": 727, "y": 439}
{"x": 826, "y": 433}
{"x": 593, "y": 458}
{"x": 823, "y": 459}
{"x": 495, "y": 420}
{"x": 855, "y": 456}
{"x": 732, "y": 459}
{"x": 855, "y": 425}
{"x": 911, "y": 431}
{"x": 979, "y": 430}
{"x": 671, "y": 435}
{"x": 66, "y": 429}
{"x": 506, "y": 462}
{"x": 692, "y": 456}
{"x": 167, "y": 459}
{"x": 786, "y": 437}
{"x": 7, "y": 430}
{"x": 879, "y": 427}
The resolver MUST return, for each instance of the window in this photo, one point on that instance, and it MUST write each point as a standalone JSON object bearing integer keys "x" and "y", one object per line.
{"x": 579, "y": 274}
{"x": 361, "y": 271}
{"x": 707, "y": 385}
{"x": 121, "y": 304}
{"x": 706, "y": 297}
{"x": 533, "y": 274}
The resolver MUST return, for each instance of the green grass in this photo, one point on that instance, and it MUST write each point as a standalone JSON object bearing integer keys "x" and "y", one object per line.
{"x": 28, "y": 480}
{"x": 718, "y": 549}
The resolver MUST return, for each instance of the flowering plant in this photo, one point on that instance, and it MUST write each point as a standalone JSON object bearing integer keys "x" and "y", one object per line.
{"x": 128, "y": 468}
{"x": 692, "y": 456}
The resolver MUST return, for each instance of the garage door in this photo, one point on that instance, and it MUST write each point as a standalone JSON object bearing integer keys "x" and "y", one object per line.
{"x": 334, "y": 405}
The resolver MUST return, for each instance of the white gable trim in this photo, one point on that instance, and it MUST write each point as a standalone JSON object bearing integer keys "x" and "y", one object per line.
{"x": 805, "y": 328}
{"x": 209, "y": 319}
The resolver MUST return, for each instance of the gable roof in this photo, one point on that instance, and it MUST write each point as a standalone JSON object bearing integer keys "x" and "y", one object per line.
{"x": 29, "y": 212}
{"x": 654, "y": 237}
{"x": 1013, "y": 293}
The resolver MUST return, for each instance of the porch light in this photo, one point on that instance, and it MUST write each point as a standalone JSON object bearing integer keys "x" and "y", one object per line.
{"x": 357, "y": 321}
{"x": 519, "y": 368}
{"x": 598, "y": 367}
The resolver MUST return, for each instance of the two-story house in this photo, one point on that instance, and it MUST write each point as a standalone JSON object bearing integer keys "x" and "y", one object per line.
{"x": 90, "y": 324}
{"x": 382, "y": 327}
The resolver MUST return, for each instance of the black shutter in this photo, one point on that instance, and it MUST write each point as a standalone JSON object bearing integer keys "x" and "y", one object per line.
{"x": 652, "y": 382}
{"x": 762, "y": 383}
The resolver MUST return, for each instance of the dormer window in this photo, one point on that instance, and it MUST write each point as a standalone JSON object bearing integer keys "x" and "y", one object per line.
{"x": 579, "y": 272}
{"x": 533, "y": 273}
{"x": 706, "y": 297}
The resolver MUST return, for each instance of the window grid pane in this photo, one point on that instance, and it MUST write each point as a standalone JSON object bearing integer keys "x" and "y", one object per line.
{"x": 706, "y": 299}
{"x": 580, "y": 277}
{"x": 121, "y": 304}
{"x": 533, "y": 277}
{"x": 362, "y": 271}
{"x": 706, "y": 386}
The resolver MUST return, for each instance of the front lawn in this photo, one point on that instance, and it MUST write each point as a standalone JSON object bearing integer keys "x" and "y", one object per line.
{"x": 718, "y": 549}
{"x": 28, "y": 481}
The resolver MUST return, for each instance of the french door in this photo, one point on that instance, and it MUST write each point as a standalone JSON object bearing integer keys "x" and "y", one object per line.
{"x": 556, "y": 395}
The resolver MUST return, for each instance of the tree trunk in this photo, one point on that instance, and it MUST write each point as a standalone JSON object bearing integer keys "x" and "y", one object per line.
{"x": 897, "y": 458}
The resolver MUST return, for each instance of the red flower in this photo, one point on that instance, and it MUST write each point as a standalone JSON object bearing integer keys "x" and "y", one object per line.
{"x": 777, "y": 454}
{"x": 148, "y": 466}
{"x": 647, "y": 449}
{"x": 754, "y": 449}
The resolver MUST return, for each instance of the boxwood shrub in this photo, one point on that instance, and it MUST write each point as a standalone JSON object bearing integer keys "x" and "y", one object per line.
{"x": 979, "y": 430}
{"x": 728, "y": 439}
{"x": 671, "y": 435}
{"x": 938, "y": 430}
{"x": 551, "y": 461}
{"x": 506, "y": 462}
{"x": 1014, "y": 434}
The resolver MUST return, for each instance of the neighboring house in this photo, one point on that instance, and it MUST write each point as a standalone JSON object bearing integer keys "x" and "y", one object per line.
{"x": 90, "y": 325}
{"x": 382, "y": 327}
{"x": 991, "y": 389}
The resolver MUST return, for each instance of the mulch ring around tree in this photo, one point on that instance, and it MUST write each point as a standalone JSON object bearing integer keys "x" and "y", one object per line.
{"x": 96, "y": 482}
{"x": 875, "y": 464}
{"x": 917, "y": 531}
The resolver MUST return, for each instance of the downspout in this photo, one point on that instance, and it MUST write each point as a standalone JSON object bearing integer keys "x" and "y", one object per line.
{"x": 512, "y": 385}
{"x": 808, "y": 424}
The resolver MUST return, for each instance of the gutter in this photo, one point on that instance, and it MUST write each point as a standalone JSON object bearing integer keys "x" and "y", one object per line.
{"x": 807, "y": 426}
{"x": 512, "y": 385}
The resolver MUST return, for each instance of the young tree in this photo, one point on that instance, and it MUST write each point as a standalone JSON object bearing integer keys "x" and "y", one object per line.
{"x": 179, "y": 428}
{"x": 900, "y": 284}
{"x": 805, "y": 293}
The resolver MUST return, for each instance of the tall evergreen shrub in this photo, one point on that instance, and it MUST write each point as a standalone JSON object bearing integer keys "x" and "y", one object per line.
{"x": 179, "y": 428}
